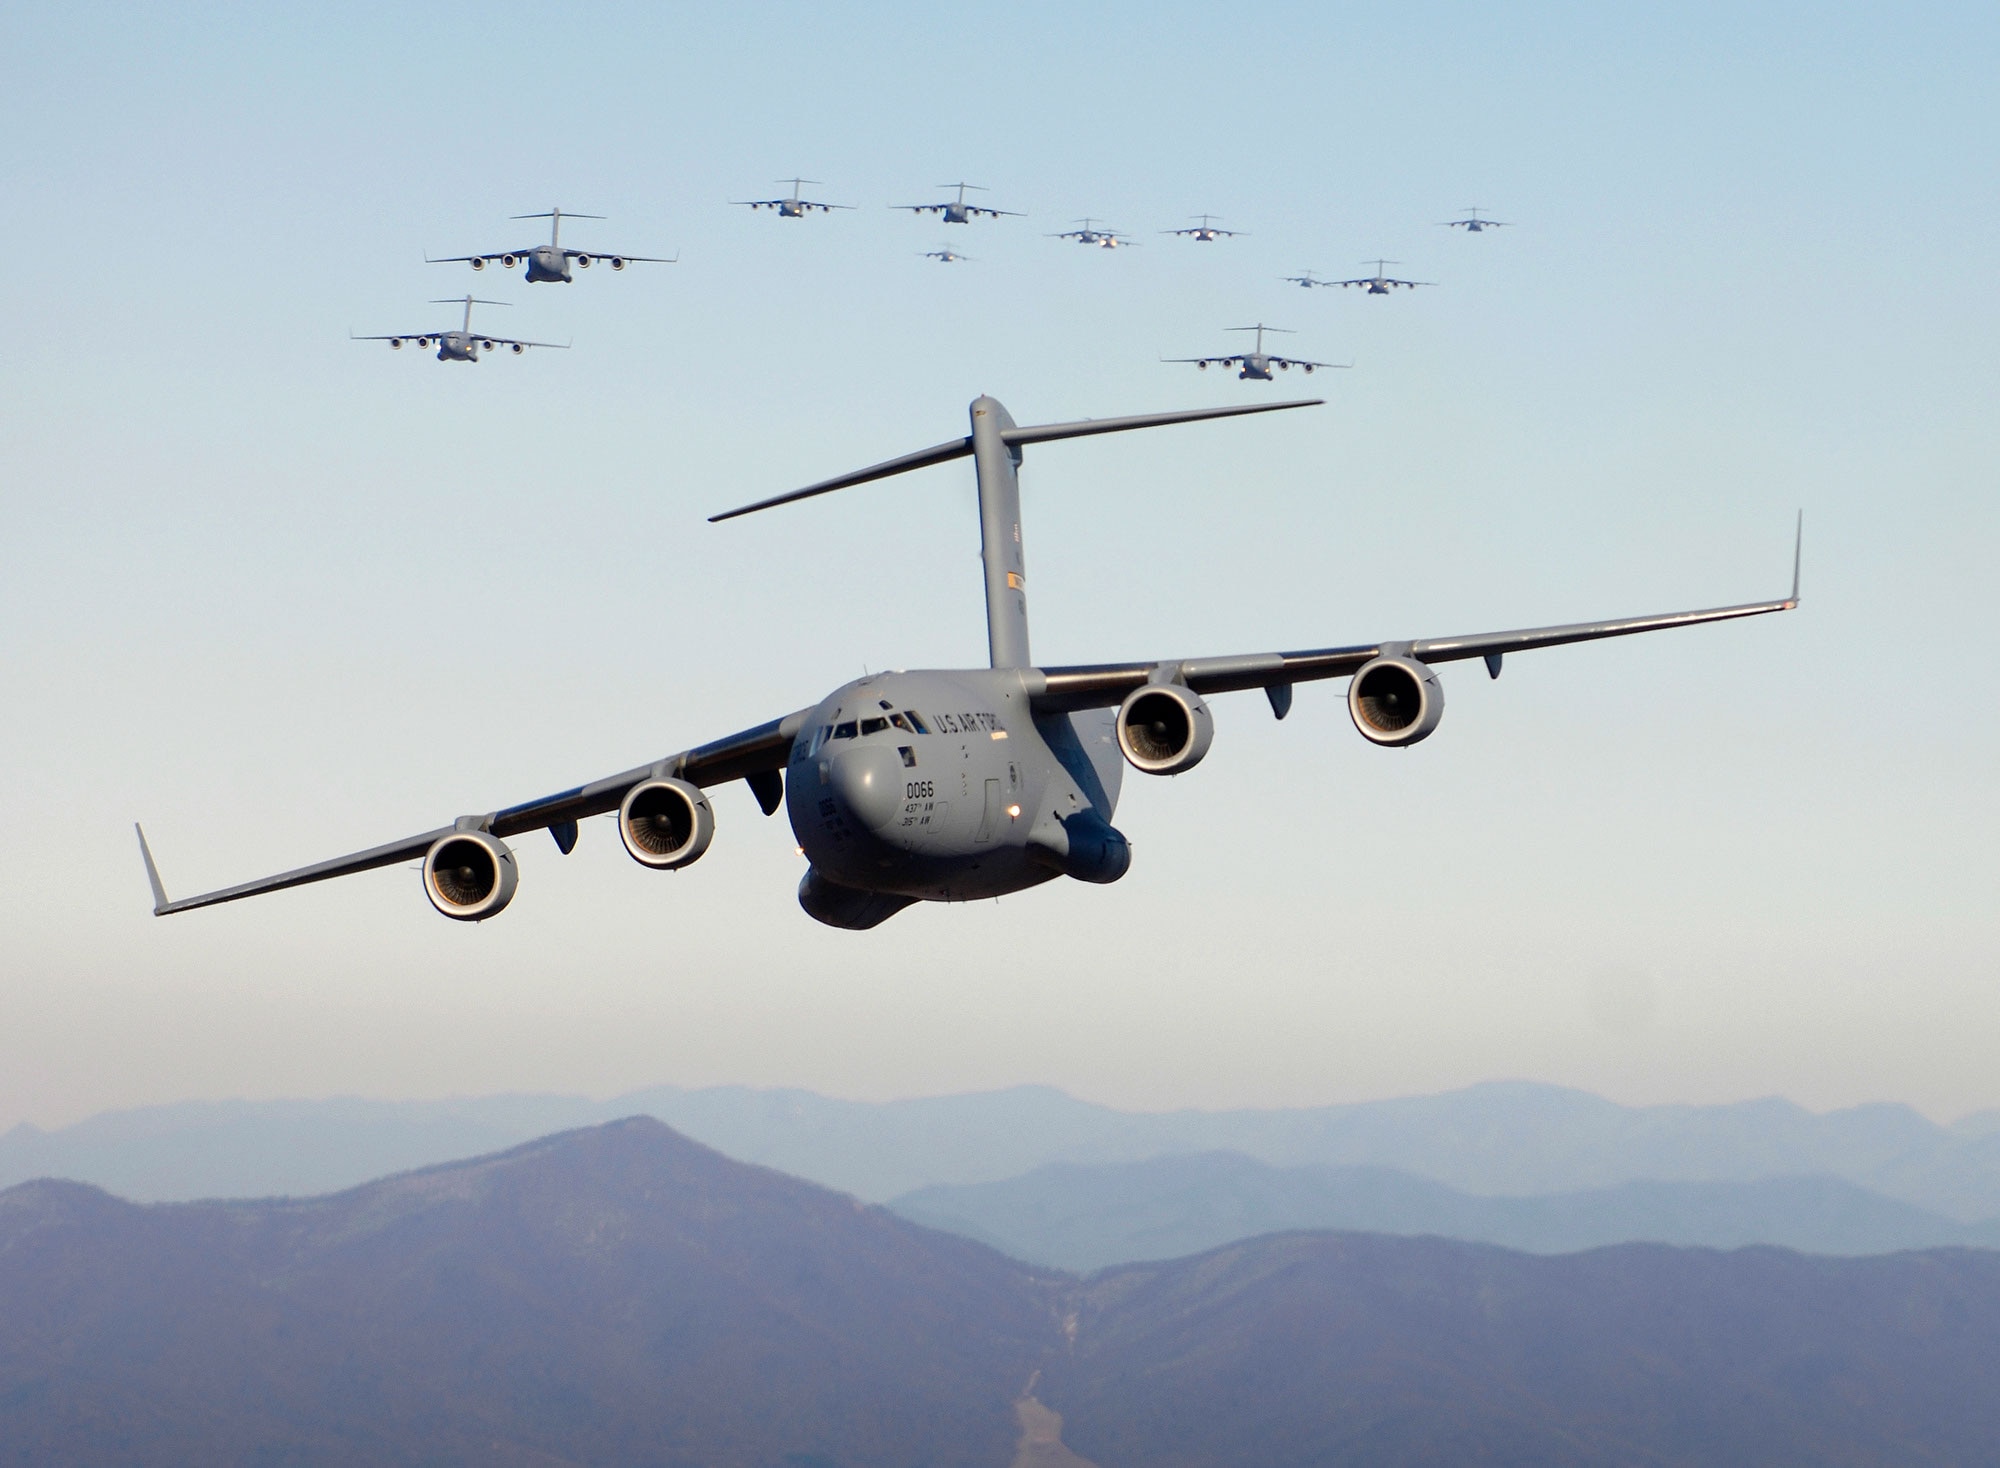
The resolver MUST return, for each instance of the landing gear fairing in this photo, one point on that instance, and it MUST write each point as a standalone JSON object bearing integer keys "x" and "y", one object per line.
{"x": 954, "y": 784}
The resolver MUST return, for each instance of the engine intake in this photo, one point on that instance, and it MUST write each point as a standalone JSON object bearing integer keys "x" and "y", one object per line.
{"x": 1395, "y": 701}
{"x": 583, "y": 262}
{"x": 1164, "y": 728}
{"x": 470, "y": 875}
{"x": 665, "y": 824}
{"x": 617, "y": 262}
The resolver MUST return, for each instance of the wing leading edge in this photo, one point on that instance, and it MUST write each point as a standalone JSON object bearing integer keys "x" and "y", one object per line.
{"x": 1101, "y": 685}
{"x": 756, "y": 755}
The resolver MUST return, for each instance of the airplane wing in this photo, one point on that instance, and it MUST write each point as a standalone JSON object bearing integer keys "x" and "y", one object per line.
{"x": 1309, "y": 366}
{"x": 489, "y": 258}
{"x": 921, "y": 208}
{"x": 1206, "y": 361}
{"x": 1102, "y": 685}
{"x": 508, "y": 341}
{"x": 758, "y": 755}
{"x": 994, "y": 213}
{"x": 620, "y": 255}
{"x": 400, "y": 336}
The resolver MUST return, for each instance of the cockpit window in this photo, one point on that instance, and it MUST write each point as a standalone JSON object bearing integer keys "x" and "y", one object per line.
{"x": 899, "y": 721}
{"x": 844, "y": 731}
{"x": 873, "y": 726}
{"x": 915, "y": 722}
{"x": 909, "y": 756}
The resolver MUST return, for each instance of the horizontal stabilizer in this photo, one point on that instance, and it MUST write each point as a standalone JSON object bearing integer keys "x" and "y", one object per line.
{"x": 958, "y": 448}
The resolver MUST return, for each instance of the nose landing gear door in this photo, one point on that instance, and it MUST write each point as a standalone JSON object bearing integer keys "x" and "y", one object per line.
{"x": 989, "y": 816}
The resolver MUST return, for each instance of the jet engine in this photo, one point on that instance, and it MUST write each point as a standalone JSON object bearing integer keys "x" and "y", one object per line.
{"x": 395, "y": 344}
{"x": 486, "y": 345}
{"x": 617, "y": 262}
{"x": 1395, "y": 701}
{"x": 510, "y": 261}
{"x": 478, "y": 263}
{"x": 665, "y": 824}
{"x": 1201, "y": 366}
{"x": 424, "y": 341}
{"x": 1164, "y": 728}
{"x": 470, "y": 875}
{"x": 1309, "y": 371}
{"x": 518, "y": 348}
{"x": 583, "y": 262}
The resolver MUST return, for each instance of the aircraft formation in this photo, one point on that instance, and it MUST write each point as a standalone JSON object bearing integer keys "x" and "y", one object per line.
{"x": 555, "y": 262}
{"x": 954, "y": 784}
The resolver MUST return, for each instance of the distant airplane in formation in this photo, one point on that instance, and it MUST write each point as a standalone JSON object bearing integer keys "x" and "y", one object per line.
{"x": 464, "y": 344}
{"x": 1091, "y": 234}
{"x": 793, "y": 207}
{"x": 1206, "y": 232}
{"x": 1472, "y": 223}
{"x": 1308, "y": 280}
{"x": 553, "y": 260}
{"x": 945, "y": 254}
{"x": 1257, "y": 365}
{"x": 1379, "y": 284}
{"x": 957, "y": 211}
{"x": 951, "y": 785}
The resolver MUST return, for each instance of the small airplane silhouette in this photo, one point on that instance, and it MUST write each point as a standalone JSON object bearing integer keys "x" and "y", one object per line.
{"x": 1379, "y": 284}
{"x": 1257, "y": 365}
{"x": 1206, "y": 231}
{"x": 553, "y": 260}
{"x": 944, "y": 255}
{"x": 1092, "y": 234}
{"x": 464, "y": 344}
{"x": 1472, "y": 223}
{"x": 957, "y": 211}
{"x": 792, "y": 207}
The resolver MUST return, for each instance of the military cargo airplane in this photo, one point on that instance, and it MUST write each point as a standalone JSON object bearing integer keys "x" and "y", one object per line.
{"x": 1308, "y": 280}
{"x": 1257, "y": 364}
{"x": 793, "y": 207}
{"x": 553, "y": 260}
{"x": 955, "y": 784}
{"x": 1091, "y": 234}
{"x": 1379, "y": 284}
{"x": 1472, "y": 223}
{"x": 957, "y": 211}
{"x": 463, "y": 345}
{"x": 945, "y": 255}
{"x": 1206, "y": 232}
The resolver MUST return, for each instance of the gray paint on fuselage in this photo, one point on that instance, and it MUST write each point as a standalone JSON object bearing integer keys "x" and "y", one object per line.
{"x": 977, "y": 808}
{"x": 549, "y": 262}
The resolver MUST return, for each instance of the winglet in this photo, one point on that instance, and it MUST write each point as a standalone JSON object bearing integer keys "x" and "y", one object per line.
{"x": 1798, "y": 547}
{"x": 160, "y": 903}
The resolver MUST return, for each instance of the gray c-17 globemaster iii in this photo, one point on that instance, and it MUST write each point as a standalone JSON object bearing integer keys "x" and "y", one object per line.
{"x": 1377, "y": 284}
{"x": 1093, "y": 233}
{"x": 553, "y": 260}
{"x": 793, "y": 207}
{"x": 1207, "y": 232}
{"x": 955, "y": 784}
{"x": 957, "y": 211}
{"x": 1472, "y": 223}
{"x": 1257, "y": 365}
{"x": 464, "y": 344}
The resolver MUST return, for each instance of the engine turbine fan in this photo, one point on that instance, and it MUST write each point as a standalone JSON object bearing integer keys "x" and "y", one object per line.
{"x": 478, "y": 262}
{"x": 665, "y": 824}
{"x": 1395, "y": 701}
{"x": 583, "y": 262}
{"x": 617, "y": 262}
{"x": 470, "y": 875}
{"x": 1164, "y": 728}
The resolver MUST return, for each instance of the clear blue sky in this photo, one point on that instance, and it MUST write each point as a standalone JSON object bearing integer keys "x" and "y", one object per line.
{"x": 283, "y": 596}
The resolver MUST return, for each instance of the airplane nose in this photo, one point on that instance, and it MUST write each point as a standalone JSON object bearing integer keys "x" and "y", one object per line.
{"x": 868, "y": 781}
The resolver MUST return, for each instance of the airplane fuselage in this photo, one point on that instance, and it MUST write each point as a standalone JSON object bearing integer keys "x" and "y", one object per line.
{"x": 944, "y": 786}
{"x": 457, "y": 346}
{"x": 1378, "y": 287}
{"x": 791, "y": 209}
{"x": 957, "y": 214}
{"x": 1256, "y": 368}
{"x": 548, "y": 262}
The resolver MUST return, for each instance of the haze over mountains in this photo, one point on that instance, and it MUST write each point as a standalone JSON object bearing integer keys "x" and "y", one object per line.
{"x": 621, "y": 1294}
{"x": 1530, "y": 1166}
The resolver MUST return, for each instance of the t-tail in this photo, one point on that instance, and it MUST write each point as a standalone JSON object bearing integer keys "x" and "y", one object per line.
{"x": 555, "y": 218}
{"x": 995, "y": 445}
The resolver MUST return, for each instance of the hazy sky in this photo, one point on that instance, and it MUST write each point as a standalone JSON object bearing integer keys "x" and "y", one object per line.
{"x": 283, "y": 596}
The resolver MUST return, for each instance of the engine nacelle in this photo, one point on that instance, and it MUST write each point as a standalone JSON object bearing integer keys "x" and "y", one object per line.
{"x": 617, "y": 262}
{"x": 518, "y": 348}
{"x": 395, "y": 344}
{"x": 510, "y": 261}
{"x": 1201, "y": 366}
{"x": 1395, "y": 701}
{"x": 665, "y": 824}
{"x": 424, "y": 341}
{"x": 486, "y": 345}
{"x": 1164, "y": 728}
{"x": 470, "y": 875}
{"x": 583, "y": 262}
{"x": 478, "y": 262}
